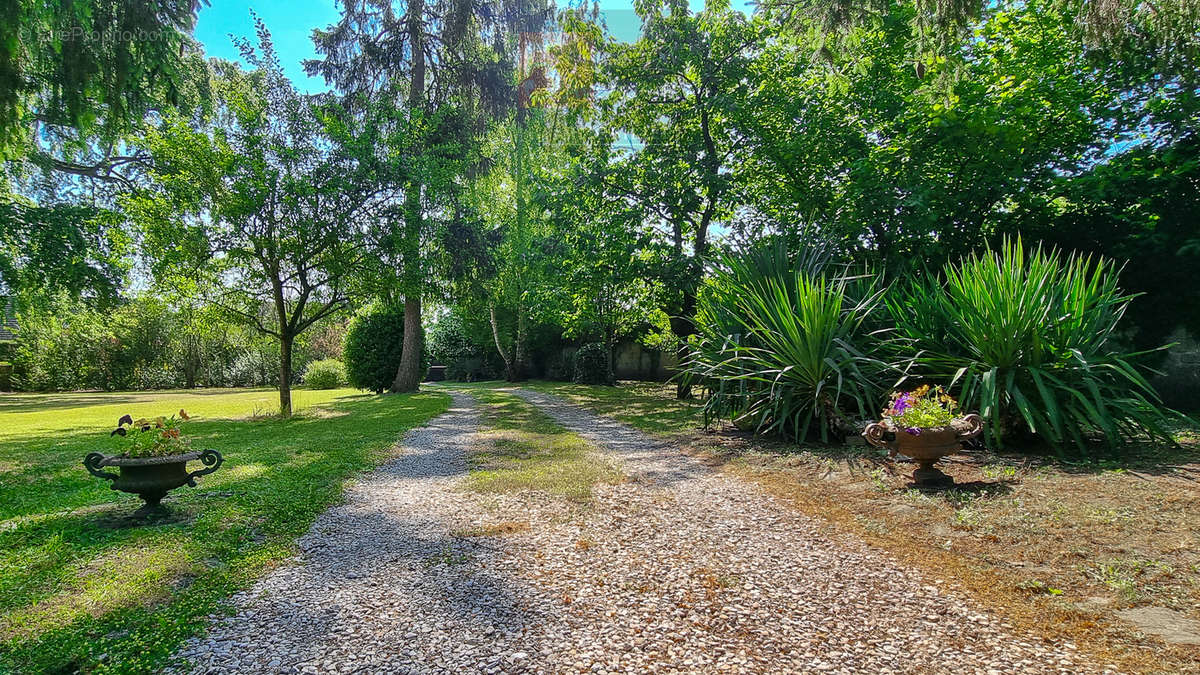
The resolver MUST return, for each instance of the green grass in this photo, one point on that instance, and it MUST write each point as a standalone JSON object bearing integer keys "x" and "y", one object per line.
{"x": 523, "y": 449}
{"x": 648, "y": 406}
{"x": 79, "y": 594}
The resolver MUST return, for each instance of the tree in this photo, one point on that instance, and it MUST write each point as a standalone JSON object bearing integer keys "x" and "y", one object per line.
{"x": 254, "y": 200}
{"x": 46, "y": 250}
{"x": 1170, "y": 31}
{"x": 601, "y": 272}
{"x": 77, "y": 76}
{"x": 421, "y": 58}
{"x": 673, "y": 92}
{"x": 896, "y": 174}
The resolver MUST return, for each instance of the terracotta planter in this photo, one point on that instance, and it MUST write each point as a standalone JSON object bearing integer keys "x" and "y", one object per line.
{"x": 926, "y": 447}
{"x": 151, "y": 478}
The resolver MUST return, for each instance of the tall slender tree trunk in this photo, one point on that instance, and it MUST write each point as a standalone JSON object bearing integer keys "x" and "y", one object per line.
{"x": 610, "y": 339}
{"x": 509, "y": 373}
{"x": 285, "y": 374}
{"x": 521, "y": 348}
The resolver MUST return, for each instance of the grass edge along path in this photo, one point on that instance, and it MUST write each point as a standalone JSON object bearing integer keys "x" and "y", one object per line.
{"x": 776, "y": 468}
{"x": 240, "y": 521}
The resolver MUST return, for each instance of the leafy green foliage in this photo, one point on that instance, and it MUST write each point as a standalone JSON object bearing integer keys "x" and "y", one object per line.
{"x": 93, "y": 67}
{"x": 373, "y": 344}
{"x": 252, "y": 207}
{"x": 1029, "y": 339}
{"x": 61, "y": 248}
{"x": 591, "y": 365}
{"x": 325, "y": 374}
{"x": 922, "y": 408}
{"x": 862, "y": 145}
{"x": 464, "y": 347}
{"x": 782, "y": 344}
{"x": 146, "y": 342}
{"x": 675, "y": 91}
{"x": 156, "y": 437}
{"x": 1138, "y": 207}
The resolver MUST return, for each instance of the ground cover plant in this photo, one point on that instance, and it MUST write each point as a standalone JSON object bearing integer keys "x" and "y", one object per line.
{"x": 82, "y": 590}
{"x": 1057, "y": 547}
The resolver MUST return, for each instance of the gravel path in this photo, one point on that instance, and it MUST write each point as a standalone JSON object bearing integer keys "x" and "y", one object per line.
{"x": 382, "y": 584}
{"x": 678, "y": 569}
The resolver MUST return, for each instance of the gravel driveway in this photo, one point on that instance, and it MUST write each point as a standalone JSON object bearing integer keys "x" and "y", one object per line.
{"x": 678, "y": 569}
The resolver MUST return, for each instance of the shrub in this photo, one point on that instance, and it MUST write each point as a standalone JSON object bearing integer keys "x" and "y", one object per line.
{"x": 253, "y": 368}
{"x": 1028, "y": 341}
{"x": 465, "y": 349}
{"x": 560, "y": 367}
{"x": 780, "y": 343}
{"x": 325, "y": 374}
{"x": 591, "y": 364}
{"x": 373, "y": 344}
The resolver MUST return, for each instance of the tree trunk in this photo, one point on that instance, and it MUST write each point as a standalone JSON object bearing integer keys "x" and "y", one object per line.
{"x": 683, "y": 386}
{"x": 520, "y": 349}
{"x": 682, "y": 328}
{"x": 408, "y": 375}
{"x": 610, "y": 376}
{"x": 509, "y": 374}
{"x": 189, "y": 372}
{"x": 285, "y": 374}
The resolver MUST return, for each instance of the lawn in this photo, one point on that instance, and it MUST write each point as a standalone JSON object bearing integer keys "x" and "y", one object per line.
{"x": 1061, "y": 548}
{"x": 80, "y": 589}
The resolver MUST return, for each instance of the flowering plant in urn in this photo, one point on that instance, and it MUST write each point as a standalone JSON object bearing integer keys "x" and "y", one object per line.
{"x": 924, "y": 425}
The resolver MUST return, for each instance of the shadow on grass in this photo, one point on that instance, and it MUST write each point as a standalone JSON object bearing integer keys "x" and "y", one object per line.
{"x": 41, "y": 402}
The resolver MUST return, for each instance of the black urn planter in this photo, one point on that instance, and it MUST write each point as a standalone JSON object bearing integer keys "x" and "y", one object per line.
{"x": 151, "y": 478}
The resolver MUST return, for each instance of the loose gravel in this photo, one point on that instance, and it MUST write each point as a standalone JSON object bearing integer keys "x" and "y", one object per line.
{"x": 678, "y": 569}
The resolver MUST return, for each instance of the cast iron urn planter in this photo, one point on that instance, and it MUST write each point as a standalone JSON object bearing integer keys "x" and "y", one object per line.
{"x": 151, "y": 478}
{"x": 926, "y": 446}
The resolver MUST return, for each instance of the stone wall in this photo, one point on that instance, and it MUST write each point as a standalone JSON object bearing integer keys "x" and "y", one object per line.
{"x": 632, "y": 361}
{"x": 1179, "y": 383}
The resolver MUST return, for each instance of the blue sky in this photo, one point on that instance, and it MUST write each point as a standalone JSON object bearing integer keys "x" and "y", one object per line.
{"x": 291, "y": 25}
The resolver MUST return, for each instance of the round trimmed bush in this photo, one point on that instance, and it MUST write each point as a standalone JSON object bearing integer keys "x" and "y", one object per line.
{"x": 373, "y": 343}
{"x": 325, "y": 374}
{"x": 591, "y": 364}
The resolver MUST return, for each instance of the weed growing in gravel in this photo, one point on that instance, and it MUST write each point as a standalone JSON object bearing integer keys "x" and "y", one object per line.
{"x": 449, "y": 557}
{"x": 879, "y": 480}
{"x": 1038, "y": 587}
{"x": 492, "y": 530}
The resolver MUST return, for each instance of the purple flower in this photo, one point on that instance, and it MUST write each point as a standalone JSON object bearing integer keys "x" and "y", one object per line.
{"x": 913, "y": 431}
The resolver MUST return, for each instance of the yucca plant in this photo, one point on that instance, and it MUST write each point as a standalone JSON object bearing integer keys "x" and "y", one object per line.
{"x": 778, "y": 343}
{"x": 1027, "y": 339}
